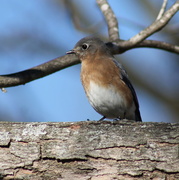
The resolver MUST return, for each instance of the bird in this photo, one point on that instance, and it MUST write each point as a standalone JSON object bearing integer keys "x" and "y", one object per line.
{"x": 105, "y": 81}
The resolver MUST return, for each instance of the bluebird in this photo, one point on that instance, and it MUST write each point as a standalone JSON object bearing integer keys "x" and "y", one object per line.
{"x": 105, "y": 82}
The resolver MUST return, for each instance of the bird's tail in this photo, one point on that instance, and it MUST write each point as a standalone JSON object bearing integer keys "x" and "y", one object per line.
{"x": 137, "y": 115}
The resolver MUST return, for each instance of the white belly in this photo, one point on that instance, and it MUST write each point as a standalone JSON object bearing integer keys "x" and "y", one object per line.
{"x": 107, "y": 101}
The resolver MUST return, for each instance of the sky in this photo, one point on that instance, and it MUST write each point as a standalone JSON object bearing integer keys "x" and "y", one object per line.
{"x": 35, "y": 32}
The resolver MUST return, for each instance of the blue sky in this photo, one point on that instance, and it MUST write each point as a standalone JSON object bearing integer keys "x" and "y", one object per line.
{"x": 35, "y": 32}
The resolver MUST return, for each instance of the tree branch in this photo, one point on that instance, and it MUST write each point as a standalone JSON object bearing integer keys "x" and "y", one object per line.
{"x": 154, "y": 27}
{"x": 119, "y": 48}
{"x": 162, "y": 10}
{"x": 39, "y": 71}
{"x": 111, "y": 20}
{"x": 89, "y": 150}
{"x": 159, "y": 45}
{"x": 116, "y": 46}
{"x": 78, "y": 19}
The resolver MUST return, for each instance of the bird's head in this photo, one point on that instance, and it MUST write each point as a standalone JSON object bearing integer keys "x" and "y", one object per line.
{"x": 88, "y": 47}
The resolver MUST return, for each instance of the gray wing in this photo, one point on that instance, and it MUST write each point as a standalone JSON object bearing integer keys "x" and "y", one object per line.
{"x": 123, "y": 72}
{"x": 124, "y": 77}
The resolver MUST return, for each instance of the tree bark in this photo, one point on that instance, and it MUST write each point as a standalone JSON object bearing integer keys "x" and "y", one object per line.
{"x": 89, "y": 150}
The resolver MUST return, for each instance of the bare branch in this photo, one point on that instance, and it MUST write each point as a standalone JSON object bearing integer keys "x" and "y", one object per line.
{"x": 80, "y": 21}
{"x": 162, "y": 10}
{"x": 156, "y": 26}
{"x": 159, "y": 45}
{"x": 63, "y": 62}
{"x": 116, "y": 46}
{"x": 111, "y": 20}
{"x": 23, "y": 77}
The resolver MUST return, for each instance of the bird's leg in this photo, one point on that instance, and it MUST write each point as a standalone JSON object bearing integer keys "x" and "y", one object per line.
{"x": 102, "y": 118}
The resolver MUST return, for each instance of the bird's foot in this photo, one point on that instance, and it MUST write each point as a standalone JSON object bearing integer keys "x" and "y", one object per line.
{"x": 116, "y": 119}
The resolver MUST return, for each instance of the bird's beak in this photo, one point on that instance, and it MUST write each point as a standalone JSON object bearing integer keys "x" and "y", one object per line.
{"x": 70, "y": 52}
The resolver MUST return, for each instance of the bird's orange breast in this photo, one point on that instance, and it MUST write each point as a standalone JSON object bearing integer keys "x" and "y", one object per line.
{"x": 104, "y": 72}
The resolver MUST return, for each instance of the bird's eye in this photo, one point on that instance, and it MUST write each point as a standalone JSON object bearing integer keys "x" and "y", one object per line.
{"x": 85, "y": 46}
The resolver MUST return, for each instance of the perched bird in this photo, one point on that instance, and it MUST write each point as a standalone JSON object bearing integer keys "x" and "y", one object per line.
{"x": 105, "y": 82}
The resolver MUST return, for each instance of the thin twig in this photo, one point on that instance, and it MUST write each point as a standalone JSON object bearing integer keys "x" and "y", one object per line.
{"x": 111, "y": 19}
{"x": 154, "y": 27}
{"x": 78, "y": 19}
{"x": 162, "y": 10}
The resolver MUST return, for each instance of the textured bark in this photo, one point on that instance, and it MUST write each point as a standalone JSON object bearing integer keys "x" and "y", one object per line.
{"x": 89, "y": 150}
